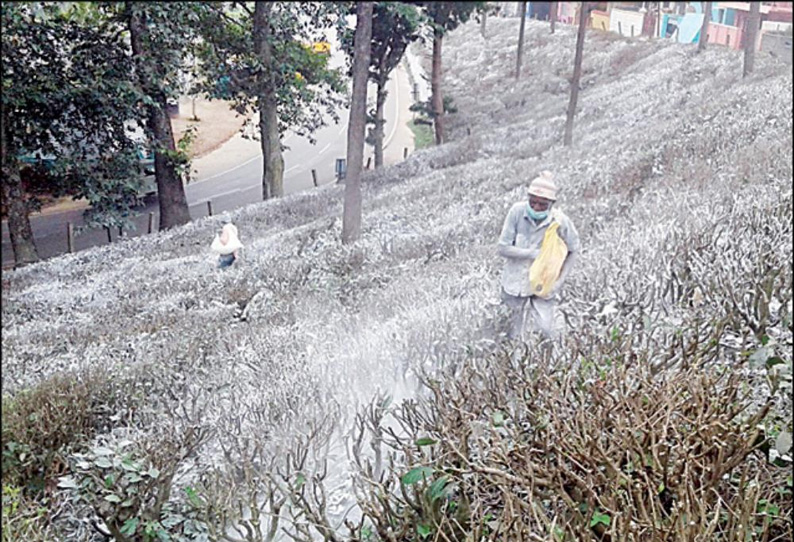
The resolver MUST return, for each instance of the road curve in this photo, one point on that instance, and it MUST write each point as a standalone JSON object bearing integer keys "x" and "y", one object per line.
{"x": 229, "y": 177}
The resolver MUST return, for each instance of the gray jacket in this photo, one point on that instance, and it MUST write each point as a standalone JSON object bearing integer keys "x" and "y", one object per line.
{"x": 520, "y": 244}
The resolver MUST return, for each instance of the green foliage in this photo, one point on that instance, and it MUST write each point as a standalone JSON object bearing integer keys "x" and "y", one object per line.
{"x": 416, "y": 474}
{"x": 426, "y": 107}
{"x": 67, "y": 96}
{"x": 444, "y": 17}
{"x": 23, "y": 518}
{"x": 600, "y": 518}
{"x": 300, "y": 80}
{"x": 423, "y": 134}
{"x": 130, "y": 486}
{"x": 394, "y": 26}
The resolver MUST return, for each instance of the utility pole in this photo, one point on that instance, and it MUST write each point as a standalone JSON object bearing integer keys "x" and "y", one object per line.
{"x": 521, "y": 39}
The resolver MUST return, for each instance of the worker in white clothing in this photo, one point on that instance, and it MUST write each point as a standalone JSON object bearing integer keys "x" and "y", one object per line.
{"x": 520, "y": 244}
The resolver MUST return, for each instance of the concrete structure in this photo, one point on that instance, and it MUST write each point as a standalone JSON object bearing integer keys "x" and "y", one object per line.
{"x": 777, "y": 44}
{"x": 682, "y": 21}
{"x": 627, "y": 22}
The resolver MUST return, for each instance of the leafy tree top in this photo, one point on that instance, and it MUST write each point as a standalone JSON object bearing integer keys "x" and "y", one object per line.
{"x": 299, "y": 79}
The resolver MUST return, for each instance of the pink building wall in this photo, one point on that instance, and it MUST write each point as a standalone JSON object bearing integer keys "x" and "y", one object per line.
{"x": 567, "y": 12}
{"x": 730, "y": 36}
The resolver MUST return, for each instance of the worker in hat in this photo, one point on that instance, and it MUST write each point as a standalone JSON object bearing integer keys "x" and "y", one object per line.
{"x": 520, "y": 243}
{"x": 227, "y": 244}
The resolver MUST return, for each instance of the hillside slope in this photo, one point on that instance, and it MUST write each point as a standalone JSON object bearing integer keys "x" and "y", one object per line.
{"x": 679, "y": 182}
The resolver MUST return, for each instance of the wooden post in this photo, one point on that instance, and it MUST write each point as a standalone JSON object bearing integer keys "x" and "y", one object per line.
{"x": 632, "y": 31}
{"x": 209, "y": 208}
{"x": 121, "y": 232}
{"x": 369, "y": 162}
{"x": 70, "y": 237}
{"x": 704, "y": 36}
{"x": 314, "y": 177}
{"x": 107, "y": 229}
{"x": 151, "y": 222}
{"x": 620, "y": 30}
{"x": 405, "y": 153}
{"x": 752, "y": 24}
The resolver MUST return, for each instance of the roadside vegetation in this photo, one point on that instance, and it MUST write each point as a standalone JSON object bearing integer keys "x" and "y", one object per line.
{"x": 423, "y": 132}
{"x": 368, "y": 392}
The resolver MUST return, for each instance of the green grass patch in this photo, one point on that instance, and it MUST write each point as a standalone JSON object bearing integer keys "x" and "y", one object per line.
{"x": 423, "y": 133}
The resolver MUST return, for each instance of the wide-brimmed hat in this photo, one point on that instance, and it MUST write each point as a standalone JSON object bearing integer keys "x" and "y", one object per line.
{"x": 232, "y": 244}
{"x": 543, "y": 186}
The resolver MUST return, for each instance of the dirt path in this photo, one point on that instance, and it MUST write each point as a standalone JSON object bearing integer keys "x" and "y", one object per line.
{"x": 216, "y": 124}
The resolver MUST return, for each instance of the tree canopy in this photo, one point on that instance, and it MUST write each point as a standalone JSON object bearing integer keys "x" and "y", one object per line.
{"x": 304, "y": 84}
{"x": 68, "y": 98}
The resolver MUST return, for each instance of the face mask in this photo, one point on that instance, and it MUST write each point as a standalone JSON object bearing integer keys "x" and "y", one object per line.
{"x": 536, "y": 215}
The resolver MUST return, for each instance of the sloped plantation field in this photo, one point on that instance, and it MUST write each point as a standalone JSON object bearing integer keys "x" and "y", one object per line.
{"x": 368, "y": 392}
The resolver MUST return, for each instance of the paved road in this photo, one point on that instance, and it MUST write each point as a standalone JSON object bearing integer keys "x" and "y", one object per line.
{"x": 231, "y": 176}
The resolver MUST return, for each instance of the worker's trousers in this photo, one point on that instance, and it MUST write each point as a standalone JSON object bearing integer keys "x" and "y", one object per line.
{"x": 530, "y": 314}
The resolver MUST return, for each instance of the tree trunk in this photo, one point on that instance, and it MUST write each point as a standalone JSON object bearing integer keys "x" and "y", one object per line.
{"x": 270, "y": 137}
{"x": 435, "y": 84}
{"x": 553, "y": 15}
{"x": 170, "y": 191}
{"x": 523, "y": 10}
{"x": 704, "y": 28}
{"x": 750, "y": 34}
{"x": 351, "y": 220}
{"x": 380, "y": 122}
{"x": 19, "y": 229}
{"x": 577, "y": 75}
{"x": 482, "y": 21}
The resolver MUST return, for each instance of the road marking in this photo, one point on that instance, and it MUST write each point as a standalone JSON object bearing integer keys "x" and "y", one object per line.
{"x": 290, "y": 169}
{"x": 216, "y": 196}
{"x": 344, "y": 127}
{"x": 238, "y": 166}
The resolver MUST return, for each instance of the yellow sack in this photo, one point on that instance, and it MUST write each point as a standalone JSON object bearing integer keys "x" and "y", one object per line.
{"x": 545, "y": 270}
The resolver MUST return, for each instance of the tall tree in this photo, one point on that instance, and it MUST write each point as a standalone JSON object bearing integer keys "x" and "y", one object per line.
{"x": 66, "y": 100}
{"x": 704, "y": 28}
{"x": 520, "y": 53}
{"x": 483, "y": 15}
{"x": 160, "y": 40}
{"x": 750, "y": 36}
{"x": 267, "y": 103}
{"x": 577, "y": 74}
{"x": 394, "y": 26}
{"x": 262, "y": 60}
{"x": 442, "y": 18}
{"x": 351, "y": 221}
{"x": 553, "y": 15}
